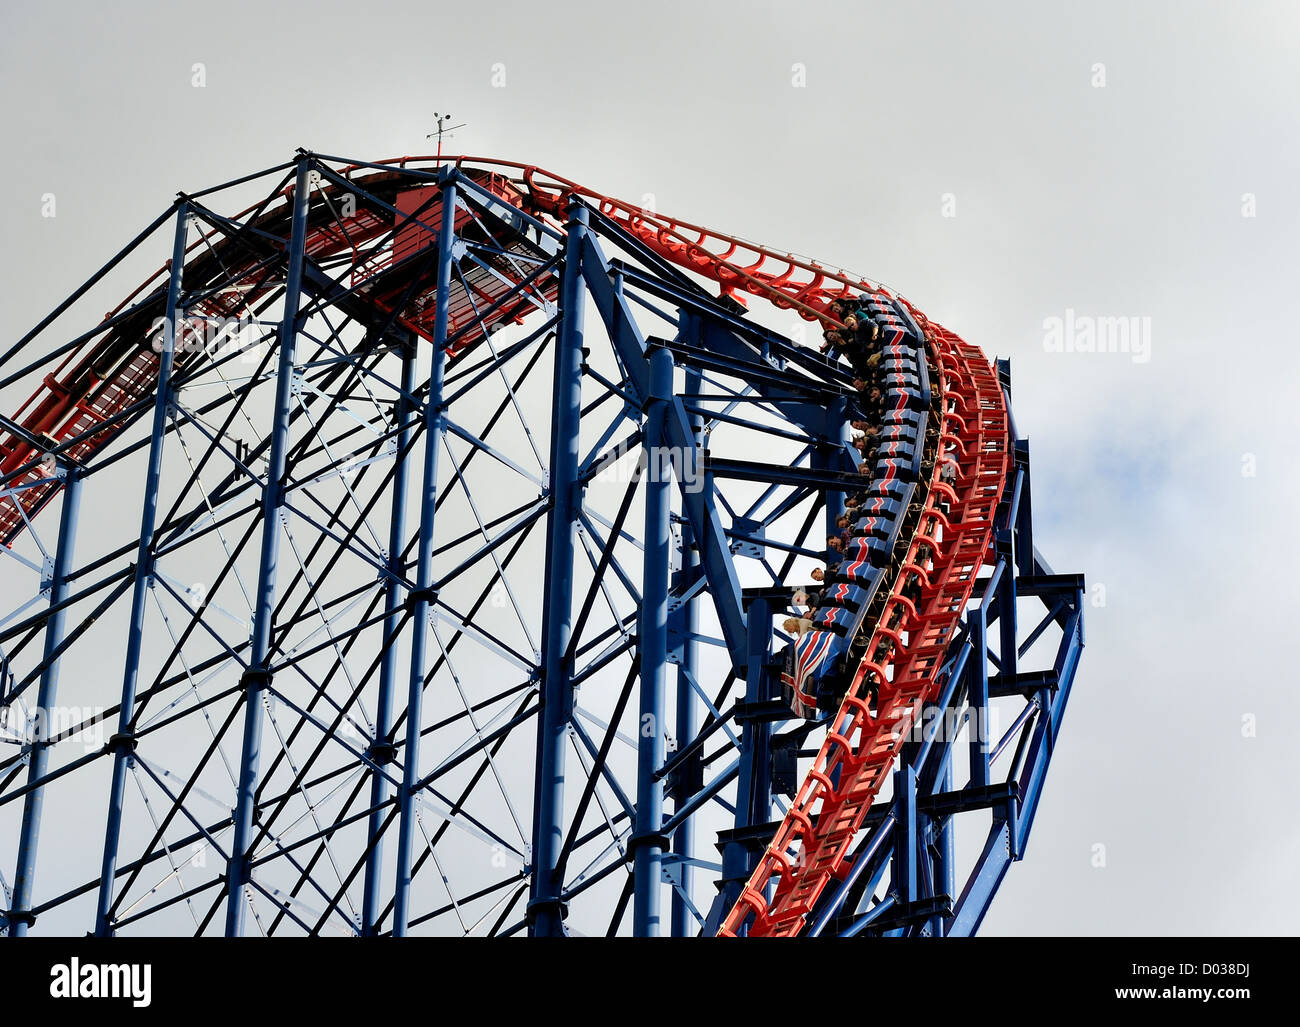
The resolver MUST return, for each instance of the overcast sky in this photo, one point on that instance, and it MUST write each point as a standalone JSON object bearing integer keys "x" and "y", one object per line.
{"x": 1001, "y": 164}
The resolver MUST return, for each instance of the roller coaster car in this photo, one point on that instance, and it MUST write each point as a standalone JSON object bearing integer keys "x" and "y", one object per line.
{"x": 788, "y": 694}
{"x": 828, "y": 691}
{"x": 832, "y": 686}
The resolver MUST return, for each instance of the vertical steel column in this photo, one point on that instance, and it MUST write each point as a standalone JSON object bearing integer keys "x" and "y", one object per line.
{"x": 20, "y": 917}
{"x": 382, "y": 750}
{"x": 978, "y": 696}
{"x": 905, "y": 835}
{"x": 942, "y": 835}
{"x": 687, "y": 724}
{"x": 423, "y": 594}
{"x": 1024, "y": 514}
{"x": 1008, "y": 658}
{"x": 754, "y": 776}
{"x": 545, "y": 903}
{"x": 123, "y": 742}
{"x": 652, "y": 646}
{"x": 931, "y": 766}
{"x": 756, "y": 751}
{"x": 826, "y": 456}
{"x": 1009, "y": 538}
{"x": 258, "y": 673}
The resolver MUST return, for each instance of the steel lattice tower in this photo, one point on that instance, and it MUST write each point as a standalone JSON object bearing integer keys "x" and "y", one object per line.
{"x": 402, "y": 557}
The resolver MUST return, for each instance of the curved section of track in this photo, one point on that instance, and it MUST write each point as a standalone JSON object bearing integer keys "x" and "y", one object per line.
{"x": 945, "y": 554}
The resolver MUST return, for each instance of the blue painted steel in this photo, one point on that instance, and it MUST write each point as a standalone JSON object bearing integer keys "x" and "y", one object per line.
{"x": 383, "y": 750}
{"x": 978, "y": 670}
{"x": 942, "y": 843}
{"x": 257, "y": 674}
{"x": 545, "y": 909}
{"x": 653, "y": 648}
{"x": 754, "y": 780}
{"x": 685, "y": 729}
{"x": 833, "y": 458}
{"x": 905, "y": 835}
{"x": 123, "y": 741}
{"x": 912, "y": 838}
{"x": 686, "y": 726}
{"x": 1053, "y": 702}
{"x": 990, "y": 869}
{"x": 931, "y": 764}
{"x": 699, "y": 505}
{"x": 420, "y": 598}
{"x": 19, "y": 917}
{"x": 869, "y": 865}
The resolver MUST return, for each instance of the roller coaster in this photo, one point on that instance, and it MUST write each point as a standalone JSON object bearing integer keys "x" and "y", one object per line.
{"x": 345, "y": 620}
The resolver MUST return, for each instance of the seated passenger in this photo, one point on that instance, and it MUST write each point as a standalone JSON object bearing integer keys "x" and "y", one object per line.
{"x": 862, "y": 326}
{"x": 809, "y": 600}
{"x": 834, "y": 340}
{"x": 831, "y": 576}
{"x": 875, "y": 402}
{"x": 797, "y": 626}
{"x": 858, "y": 361}
{"x": 865, "y": 359}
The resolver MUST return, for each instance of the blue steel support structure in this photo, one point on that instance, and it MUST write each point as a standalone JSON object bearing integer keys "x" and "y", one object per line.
{"x": 700, "y": 508}
{"x": 920, "y": 897}
{"x": 122, "y": 742}
{"x": 383, "y": 750}
{"x": 257, "y": 674}
{"x": 754, "y": 781}
{"x": 831, "y": 456}
{"x": 687, "y": 722}
{"x": 422, "y": 597}
{"x": 779, "y": 412}
{"x": 20, "y": 916}
{"x": 545, "y": 905}
{"x": 906, "y": 834}
{"x": 652, "y": 643}
{"x": 1025, "y": 576}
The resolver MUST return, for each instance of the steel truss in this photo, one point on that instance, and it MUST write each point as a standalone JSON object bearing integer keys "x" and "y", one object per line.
{"x": 461, "y": 530}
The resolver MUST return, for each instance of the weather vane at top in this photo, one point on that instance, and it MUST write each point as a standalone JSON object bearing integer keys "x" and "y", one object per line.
{"x": 443, "y": 129}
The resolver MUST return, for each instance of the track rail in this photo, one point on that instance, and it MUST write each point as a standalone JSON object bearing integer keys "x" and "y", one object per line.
{"x": 86, "y": 400}
{"x": 951, "y": 543}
